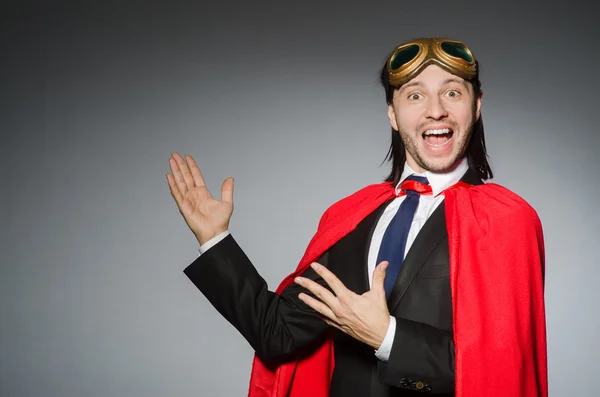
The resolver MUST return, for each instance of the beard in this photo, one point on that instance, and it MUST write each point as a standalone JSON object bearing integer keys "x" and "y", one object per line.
{"x": 411, "y": 145}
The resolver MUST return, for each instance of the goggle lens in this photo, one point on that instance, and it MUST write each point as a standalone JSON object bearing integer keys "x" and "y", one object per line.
{"x": 457, "y": 50}
{"x": 403, "y": 56}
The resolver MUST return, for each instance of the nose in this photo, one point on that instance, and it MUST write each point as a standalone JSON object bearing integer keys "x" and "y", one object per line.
{"x": 435, "y": 109}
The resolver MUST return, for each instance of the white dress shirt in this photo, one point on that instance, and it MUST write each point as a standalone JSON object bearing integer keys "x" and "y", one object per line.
{"x": 427, "y": 204}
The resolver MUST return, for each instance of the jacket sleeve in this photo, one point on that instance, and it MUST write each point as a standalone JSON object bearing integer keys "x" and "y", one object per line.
{"x": 276, "y": 326}
{"x": 421, "y": 359}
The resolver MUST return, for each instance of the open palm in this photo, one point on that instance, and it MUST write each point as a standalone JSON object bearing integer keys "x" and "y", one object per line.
{"x": 205, "y": 215}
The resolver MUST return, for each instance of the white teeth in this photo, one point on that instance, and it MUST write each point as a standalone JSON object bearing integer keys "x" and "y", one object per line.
{"x": 438, "y": 132}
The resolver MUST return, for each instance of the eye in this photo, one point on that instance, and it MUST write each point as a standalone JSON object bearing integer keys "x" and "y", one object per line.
{"x": 414, "y": 97}
{"x": 453, "y": 94}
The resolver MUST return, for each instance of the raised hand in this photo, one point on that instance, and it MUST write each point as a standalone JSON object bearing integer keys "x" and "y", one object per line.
{"x": 205, "y": 215}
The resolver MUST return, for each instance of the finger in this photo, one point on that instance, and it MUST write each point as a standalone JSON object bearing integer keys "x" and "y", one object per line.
{"x": 178, "y": 176}
{"x": 331, "y": 322}
{"x": 336, "y": 285}
{"x": 317, "y": 306}
{"x": 174, "y": 190}
{"x": 195, "y": 171}
{"x": 379, "y": 276}
{"x": 185, "y": 170}
{"x": 319, "y": 291}
{"x": 227, "y": 191}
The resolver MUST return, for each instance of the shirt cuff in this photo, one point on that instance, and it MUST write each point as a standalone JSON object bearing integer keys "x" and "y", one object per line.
{"x": 383, "y": 353}
{"x": 212, "y": 242}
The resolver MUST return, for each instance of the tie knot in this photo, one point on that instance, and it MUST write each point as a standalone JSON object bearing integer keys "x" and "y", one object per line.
{"x": 415, "y": 185}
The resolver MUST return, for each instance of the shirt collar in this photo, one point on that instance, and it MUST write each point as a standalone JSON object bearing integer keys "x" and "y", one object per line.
{"x": 439, "y": 181}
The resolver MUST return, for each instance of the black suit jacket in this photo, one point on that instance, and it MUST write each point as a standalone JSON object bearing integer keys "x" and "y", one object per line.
{"x": 281, "y": 327}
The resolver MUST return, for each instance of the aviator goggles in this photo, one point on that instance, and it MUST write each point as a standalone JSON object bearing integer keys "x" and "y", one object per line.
{"x": 411, "y": 58}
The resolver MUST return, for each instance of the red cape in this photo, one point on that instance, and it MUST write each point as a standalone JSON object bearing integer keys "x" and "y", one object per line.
{"x": 497, "y": 283}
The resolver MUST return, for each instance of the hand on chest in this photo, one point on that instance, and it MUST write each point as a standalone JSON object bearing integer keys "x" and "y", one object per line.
{"x": 425, "y": 258}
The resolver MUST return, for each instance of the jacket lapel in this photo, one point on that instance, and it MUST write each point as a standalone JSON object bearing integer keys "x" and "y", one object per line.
{"x": 367, "y": 230}
{"x": 433, "y": 233}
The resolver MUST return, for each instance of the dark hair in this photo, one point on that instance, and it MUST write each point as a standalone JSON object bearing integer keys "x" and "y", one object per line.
{"x": 476, "y": 153}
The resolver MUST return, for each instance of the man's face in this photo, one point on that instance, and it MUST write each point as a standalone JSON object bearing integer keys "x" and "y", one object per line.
{"x": 434, "y": 113}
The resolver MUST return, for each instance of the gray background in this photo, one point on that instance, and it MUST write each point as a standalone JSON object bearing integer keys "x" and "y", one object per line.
{"x": 284, "y": 97}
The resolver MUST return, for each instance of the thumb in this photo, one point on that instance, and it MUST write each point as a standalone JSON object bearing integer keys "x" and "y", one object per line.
{"x": 379, "y": 275}
{"x": 227, "y": 191}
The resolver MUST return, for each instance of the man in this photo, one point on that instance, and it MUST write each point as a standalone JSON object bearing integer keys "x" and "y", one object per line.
{"x": 431, "y": 282}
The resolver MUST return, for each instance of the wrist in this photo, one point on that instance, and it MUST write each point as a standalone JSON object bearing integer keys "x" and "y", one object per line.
{"x": 205, "y": 239}
{"x": 383, "y": 331}
{"x": 385, "y": 348}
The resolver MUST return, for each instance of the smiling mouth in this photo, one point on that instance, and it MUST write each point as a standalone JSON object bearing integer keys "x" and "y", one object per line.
{"x": 438, "y": 138}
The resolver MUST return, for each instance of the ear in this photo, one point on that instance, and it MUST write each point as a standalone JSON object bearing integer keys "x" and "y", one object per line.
{"x": 392, "y": 117}
{"x": 478, "y": 105}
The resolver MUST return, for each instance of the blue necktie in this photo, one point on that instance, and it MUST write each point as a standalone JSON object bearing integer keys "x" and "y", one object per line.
{"x": 394, "y": 239}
